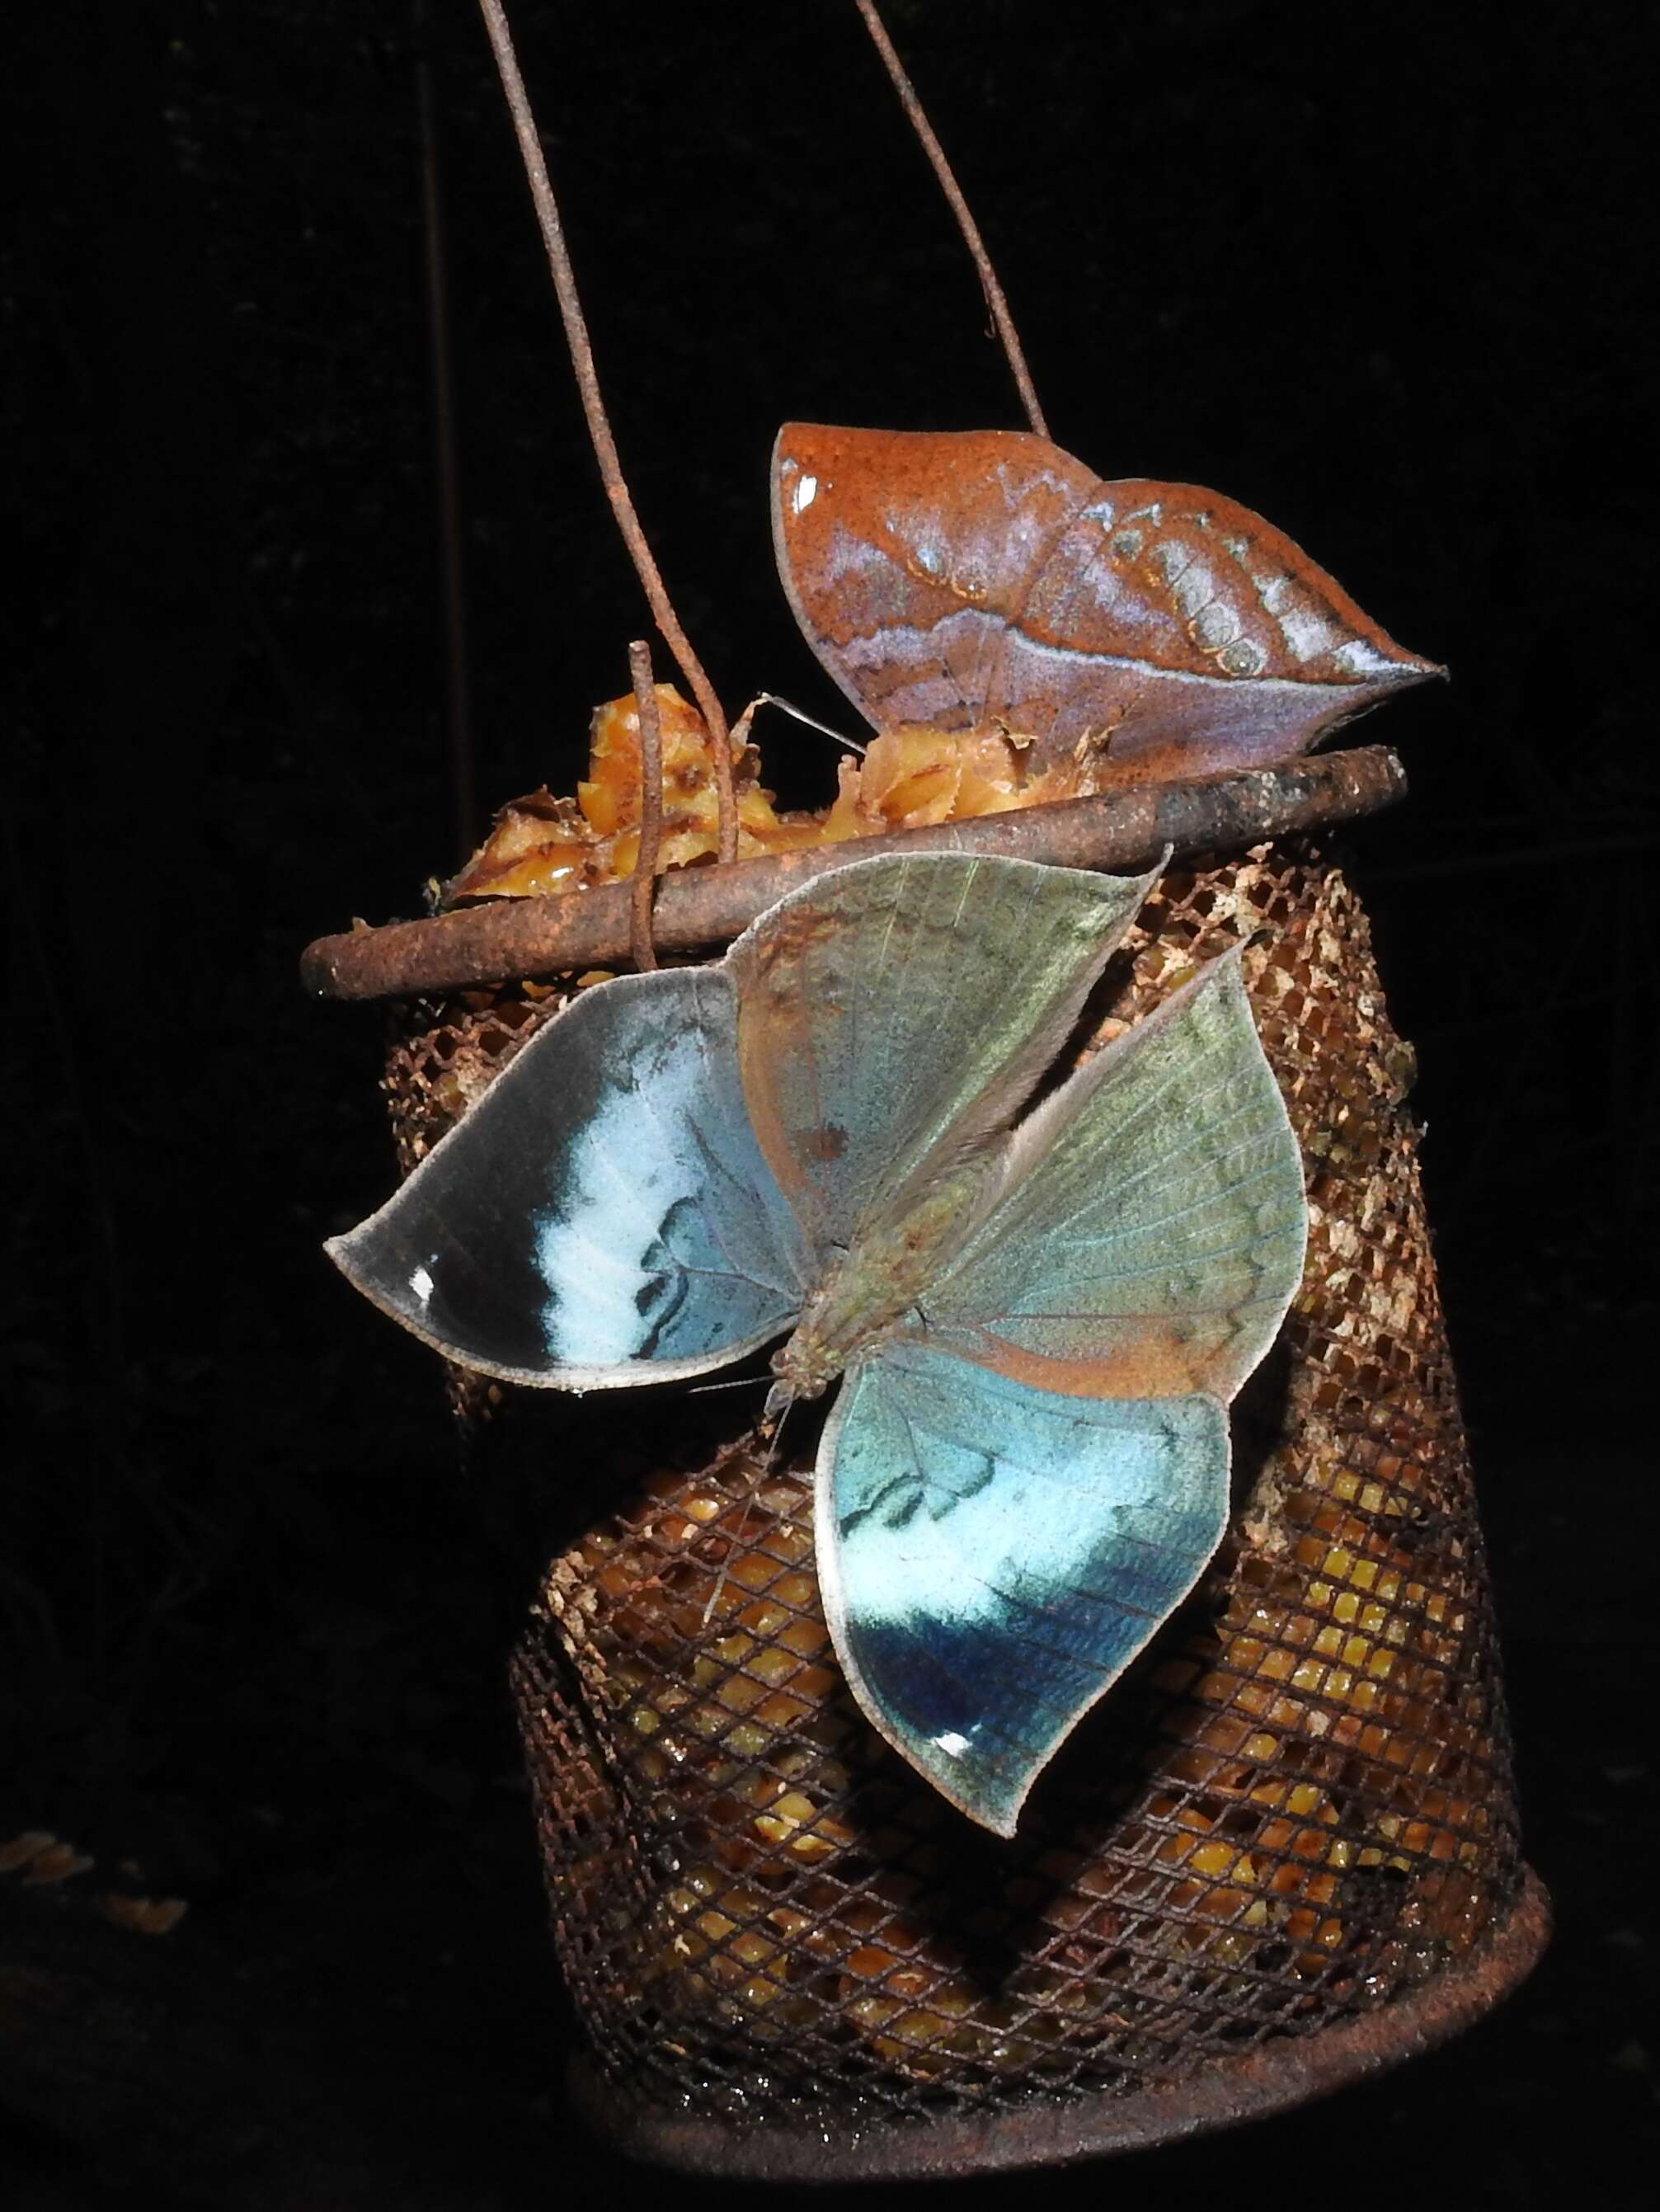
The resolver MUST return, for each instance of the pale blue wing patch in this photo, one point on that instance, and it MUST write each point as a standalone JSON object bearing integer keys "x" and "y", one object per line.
{"x": 993, "y": 1556}
{"x": 1149, "y": 1227}
{"x": 603, "y": 1215}
{"x": 895, "y": 1015}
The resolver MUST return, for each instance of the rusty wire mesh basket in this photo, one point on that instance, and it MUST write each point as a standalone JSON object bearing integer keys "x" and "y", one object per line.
{"x": 1283, "y": 1852}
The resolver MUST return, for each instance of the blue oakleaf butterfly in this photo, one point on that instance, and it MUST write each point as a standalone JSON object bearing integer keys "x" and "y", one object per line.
{"x": 1035, "y": 1313}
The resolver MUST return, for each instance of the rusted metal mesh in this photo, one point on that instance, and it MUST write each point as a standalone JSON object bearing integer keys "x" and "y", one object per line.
{"x": 1297, "y": 1803}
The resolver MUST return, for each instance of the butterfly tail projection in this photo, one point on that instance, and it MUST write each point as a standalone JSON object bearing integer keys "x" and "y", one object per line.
{"x": 993, "y": 1556}
{"x": 603, "y": 1215}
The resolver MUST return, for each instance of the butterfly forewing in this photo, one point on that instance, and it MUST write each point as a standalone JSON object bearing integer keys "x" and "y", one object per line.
{"x": 905, "y": 557}
{"x": 604, "y": 1214}
{"x": 895, "y": 1015}
{"x": 1149, "y": 1232}
{"x": 993, "y": 1556}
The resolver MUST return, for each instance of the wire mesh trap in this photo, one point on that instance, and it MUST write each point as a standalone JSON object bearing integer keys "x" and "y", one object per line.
{"x": 1283, "y": 1851}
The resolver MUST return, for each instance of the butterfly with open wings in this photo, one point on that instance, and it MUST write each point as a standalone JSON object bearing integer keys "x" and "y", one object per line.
{"x": 1036, "y": 1317}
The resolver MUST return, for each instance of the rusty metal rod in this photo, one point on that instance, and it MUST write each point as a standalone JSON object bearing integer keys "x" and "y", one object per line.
{"x": 594, "y": 407}
{"x": 1228, "y": 2088}
{"x": 507, "y": 938}
{"x": 643, "y": 882}
{"x": 995, "y": 301}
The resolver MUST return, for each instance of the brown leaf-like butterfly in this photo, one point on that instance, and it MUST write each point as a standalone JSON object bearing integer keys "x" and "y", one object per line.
{"x": 984, "y": 580}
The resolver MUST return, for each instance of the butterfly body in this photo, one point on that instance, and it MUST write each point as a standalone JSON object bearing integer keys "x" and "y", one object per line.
{"x": 876, "y": 1287}
{"x": 1037, "y": 1313}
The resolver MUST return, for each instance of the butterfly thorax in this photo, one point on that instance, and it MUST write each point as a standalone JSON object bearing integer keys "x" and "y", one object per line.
{"x": 880, "y": 1281}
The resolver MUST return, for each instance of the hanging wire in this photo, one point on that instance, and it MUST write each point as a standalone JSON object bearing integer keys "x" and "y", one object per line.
{"x": 644, "y": 882}
{"x": 599, "y": 432}
{"x": 959, "y": 207}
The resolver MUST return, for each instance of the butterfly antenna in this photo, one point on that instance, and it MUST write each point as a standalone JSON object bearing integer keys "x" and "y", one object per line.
{"x": 594, "y": 407}
{"x": 766, "y": 1468}
{"x": 644, "y": 882}
{"x": 741, "y": 728}
{"x": 720, "y": 1582}
{"x": 995, "y": 301}
{"x": 786, "y": 1408}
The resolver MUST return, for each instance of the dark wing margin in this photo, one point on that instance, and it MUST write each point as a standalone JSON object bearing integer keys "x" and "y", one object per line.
{"x": 602, "y": 1216}
{"x": 992, "y": 1557}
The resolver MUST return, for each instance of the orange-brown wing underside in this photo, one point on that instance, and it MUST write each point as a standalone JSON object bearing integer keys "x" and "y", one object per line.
{"x": 985, "y": 580}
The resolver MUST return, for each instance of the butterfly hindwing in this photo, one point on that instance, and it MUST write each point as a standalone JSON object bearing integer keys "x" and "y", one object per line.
{"x": 1148, "y": 1235}
{"x": 993, "y": 1556}
{"x": 893, "y": 1016}
{"x": 603, "y": 1215}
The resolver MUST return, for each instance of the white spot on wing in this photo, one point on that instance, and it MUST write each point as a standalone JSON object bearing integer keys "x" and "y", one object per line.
{"x": 1274, "y": 591}
{"x": 1243, "y": 658}
{"x": 1360, "y": 659}
{"x": 806, "y": 490}
{"x": 1306, "y": 632}
{"x": 421, "y": 1284}
{"x": 951, "y": 1744}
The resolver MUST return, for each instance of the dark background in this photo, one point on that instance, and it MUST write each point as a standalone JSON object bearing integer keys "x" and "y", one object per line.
{"x": 1373, "y": 270}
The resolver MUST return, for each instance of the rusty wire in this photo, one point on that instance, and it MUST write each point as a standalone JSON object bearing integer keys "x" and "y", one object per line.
{"x": 995, "y": 301}
{"x": 599, "y": 431}
{"x": 643, "y": 882}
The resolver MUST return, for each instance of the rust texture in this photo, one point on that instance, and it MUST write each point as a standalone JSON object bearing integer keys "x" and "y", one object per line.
{"x": 643, "y": 882}
{"x": 996, "y": 304}
{"x": 1288, "y": 1838}
{"x": 697, "y": 907}
{"x": 1271, "y": 2079}
{"x": 594, "y": 407}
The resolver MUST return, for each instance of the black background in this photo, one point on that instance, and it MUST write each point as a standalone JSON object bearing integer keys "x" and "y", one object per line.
{"x": 1373, "y": 270}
